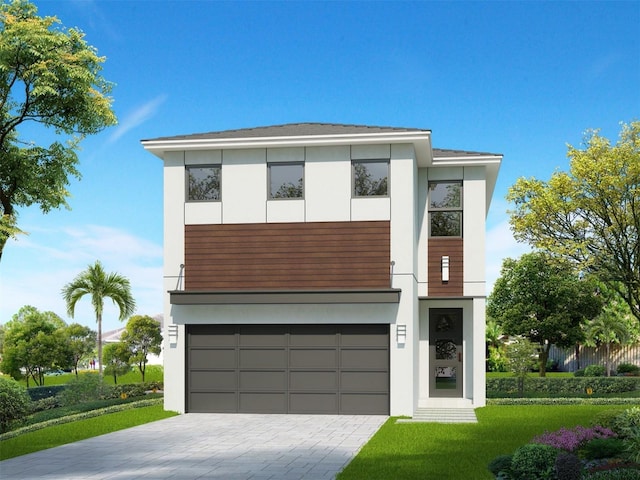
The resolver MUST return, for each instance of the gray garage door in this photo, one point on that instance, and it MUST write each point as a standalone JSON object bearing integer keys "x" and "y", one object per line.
{"x": 328, "y": 369}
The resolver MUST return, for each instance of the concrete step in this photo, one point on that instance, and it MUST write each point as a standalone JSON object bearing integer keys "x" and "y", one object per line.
{"x": 442, "y": 415}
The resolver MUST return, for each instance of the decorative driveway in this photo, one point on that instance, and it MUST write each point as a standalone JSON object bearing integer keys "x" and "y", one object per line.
{"x": 208, "y": 446}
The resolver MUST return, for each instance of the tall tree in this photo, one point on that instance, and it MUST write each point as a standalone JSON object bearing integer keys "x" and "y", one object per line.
{"x": 81, "y": 341}
{"x": 590, "y": 215}
{"x": 544, "y": 300}
{"x": 49, "y": 78}
{"x": 142, "y": 336}
{"x": 117, "y": 360}
{"x": 98, "y": 284}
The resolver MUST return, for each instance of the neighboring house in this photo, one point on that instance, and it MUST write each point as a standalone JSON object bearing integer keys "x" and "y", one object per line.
{"x": 114, "y": 336}
{"x": 322, "y": 268}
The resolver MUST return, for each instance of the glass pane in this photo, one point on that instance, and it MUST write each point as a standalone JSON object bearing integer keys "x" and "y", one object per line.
{"x": 445, "y": 195}
{"x": 286, "y": 181}
{"x": 370, "y": 178}
{"x": 445, "y": 378}
{"x": 446, "y": 224}
{"x": 204, "y": 183}
{"x": 445, "y": 349}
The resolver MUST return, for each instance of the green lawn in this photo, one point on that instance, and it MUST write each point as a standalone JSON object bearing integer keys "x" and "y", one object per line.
{"x": 460, "y": 451}
{"x": 56, "y": 435}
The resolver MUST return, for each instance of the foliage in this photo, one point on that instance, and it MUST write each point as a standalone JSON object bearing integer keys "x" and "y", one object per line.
{"x": 500, "y": 464}
{"x": 568, "y": 467}
{"x": 497, "y": 360}
{"x": 521, "y": 357}
{"x": 563, "y": 401}
{"x": 49, "y": 79}
{"x": 85, "y": 388}
{"x": 116, "y": 360}
{"x": 622, "y": 474}
{"x": 543, "y": 299}
{"x": 594, "y": 371}
{"x": 589, "y": 215}
{"x": 33, "y": 343}
{"x": 602, "y": 448}
{"x": 98, "y": 284}
{"x": 566, "y": 385}
{"x": 81, "y": 341}
{"x": 534, "y": 462}
{"x": 627, "y": 423}
{"x": 46, "y": 403}
{"x": 14, "y": 403}
{"x": 142, "y": 336}
{"x": 628, "y": 368}
{"x": 38, "y": 393}
{"x": 571, "y": 439}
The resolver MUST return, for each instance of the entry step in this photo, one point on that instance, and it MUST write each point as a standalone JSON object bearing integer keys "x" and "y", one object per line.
{"x": 442, "y": 415}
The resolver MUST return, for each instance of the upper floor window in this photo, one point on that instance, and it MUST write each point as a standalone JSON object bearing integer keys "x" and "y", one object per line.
{"x": 370, "y": 178}
{"x": 286, "y": 180}
{"x": 203, "y": 183}
{"x": 445, "y": 209}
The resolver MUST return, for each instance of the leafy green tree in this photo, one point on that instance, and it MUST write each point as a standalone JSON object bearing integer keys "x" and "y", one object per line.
{"x": 81, "y": 341}
{"x": 14, "y": 403}
{"x": 522, "y": 356}
{"x": 49, "y": 79}
{"x": 543, "y": 299}
{"x": 117, "y": 359}
{"x": 33, "y": 344}
{"x": 142, "y": 336}
{"x": 612, "y": 326}
{"x": 590, "y": 215}
{"x": 98, "y": 284}
{"x": 495, "y": 352}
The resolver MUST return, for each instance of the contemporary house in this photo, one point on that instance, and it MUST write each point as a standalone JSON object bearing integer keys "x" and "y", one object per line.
{"x": 323, "y": 268}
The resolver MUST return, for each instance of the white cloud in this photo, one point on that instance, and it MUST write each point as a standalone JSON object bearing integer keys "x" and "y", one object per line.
{"x": 36, "y": 267}
{"x": 137, "y": 117}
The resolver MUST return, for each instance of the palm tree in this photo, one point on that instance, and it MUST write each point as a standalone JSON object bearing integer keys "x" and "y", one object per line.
{"x": 97, "y": 283}
{"x": 608, "y": 328}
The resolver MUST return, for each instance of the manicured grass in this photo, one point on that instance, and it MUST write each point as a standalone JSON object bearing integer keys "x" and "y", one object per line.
{"x": 153, "y": 373}
{"x": 72, "y": 432}
{"x": 460, "y": 451}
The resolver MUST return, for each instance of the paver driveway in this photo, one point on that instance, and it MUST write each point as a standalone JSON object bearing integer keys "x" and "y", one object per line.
{"x": 202, "y": 446}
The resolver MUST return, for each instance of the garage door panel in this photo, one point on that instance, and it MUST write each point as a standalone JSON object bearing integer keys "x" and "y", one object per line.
{"x": 313, "y": 380}
{"x": 205, "y": 402}
{"x": 214, "y": 380}
{"x": 313, "y": 358}
{"x": 261, "y": 380}
{"x": 263, "y": 402}
{"x": 360, "y": 358}
{"x": 364, "y": 404}
{"x": 314, "y": 403}
{"x": 203, "y": 358}
{"x": 327, "y": 369}
{"x": 364, "y": 381}
{"x": 262, "y": 357}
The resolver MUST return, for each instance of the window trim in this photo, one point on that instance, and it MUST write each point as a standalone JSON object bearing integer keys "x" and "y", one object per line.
{"x": 369, "y": 160}
{"x": 446, "y": 209}
{"x": 186, "y": 179}
{"x": 280, "y": 164}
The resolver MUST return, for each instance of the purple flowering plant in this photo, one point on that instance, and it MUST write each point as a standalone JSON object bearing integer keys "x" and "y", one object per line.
{"x": 571, "y": 439}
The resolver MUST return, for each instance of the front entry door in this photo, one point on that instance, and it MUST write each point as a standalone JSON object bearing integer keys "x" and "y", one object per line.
{"x": 445, "y": 352}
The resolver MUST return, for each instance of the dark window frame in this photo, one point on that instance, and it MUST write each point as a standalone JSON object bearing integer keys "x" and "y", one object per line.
{"x": 446, "y": 209}
{"x": 188, "y": 196}
{"x": 284, "y": 164}
{"x": 354, "y": 163}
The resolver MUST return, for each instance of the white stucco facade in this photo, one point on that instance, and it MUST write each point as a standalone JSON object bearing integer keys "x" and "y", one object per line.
{"x": 328, "y": 198}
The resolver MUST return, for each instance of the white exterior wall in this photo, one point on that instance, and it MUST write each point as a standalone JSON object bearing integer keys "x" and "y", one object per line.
{"x": 474, "y": 208}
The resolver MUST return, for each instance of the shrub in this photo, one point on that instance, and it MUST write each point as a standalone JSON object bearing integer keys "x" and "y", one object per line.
{"x": 85, "y": 388}
{"x": 497, "y": 362}
{"x": 619, "y": 474}
{"x": 627, "y": 423}
{"x": 602, "y": 448}
{"x": 579, "y": 373}
{"x": 594, "y": 371}
{"x": 45, "y": 404}
{"x": 14, "y": 403}
{"x": 534, "y": 462}
{"x": 568, "y": 467}
{"x": 571, "y": 439}
{"x": 501, "y": 463}
{"x": 605, "y": 418}
{"x": 38, "y": 393}
{"x": 564, "y": 385}
{"x": 629, "y": 368}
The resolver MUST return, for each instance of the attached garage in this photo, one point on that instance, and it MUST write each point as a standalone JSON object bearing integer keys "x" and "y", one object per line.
{"x": 322, "y": 369}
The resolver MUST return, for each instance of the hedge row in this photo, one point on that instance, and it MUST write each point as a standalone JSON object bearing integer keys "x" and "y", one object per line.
{"x": 566, "y": 386}
{"x": 562, "y": 401}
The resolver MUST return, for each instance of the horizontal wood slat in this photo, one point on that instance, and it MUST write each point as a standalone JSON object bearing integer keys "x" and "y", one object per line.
{"x": 287, "y": 255}
{"x": 453, "y": 248}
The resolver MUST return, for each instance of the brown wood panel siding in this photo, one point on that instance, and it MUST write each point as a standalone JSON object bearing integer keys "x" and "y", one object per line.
{"x": 451, "y": 247}
{"x": 287, "y": 256}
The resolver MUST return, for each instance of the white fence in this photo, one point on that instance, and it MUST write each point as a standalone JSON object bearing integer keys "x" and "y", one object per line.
{"x": 567, "y": 361}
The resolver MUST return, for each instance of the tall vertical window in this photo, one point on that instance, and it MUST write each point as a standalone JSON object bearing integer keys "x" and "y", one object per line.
{"x": 445, "y": 209}
{"x": 370, "y": 178}
{"x": 286, "y": 180}
{"x": 203, "y": 183}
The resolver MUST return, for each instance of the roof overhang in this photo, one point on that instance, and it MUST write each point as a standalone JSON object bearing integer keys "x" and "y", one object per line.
{"x": 291, "y": 297}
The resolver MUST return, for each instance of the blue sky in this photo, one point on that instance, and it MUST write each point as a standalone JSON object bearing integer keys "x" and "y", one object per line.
{"x": 518, "y": 78}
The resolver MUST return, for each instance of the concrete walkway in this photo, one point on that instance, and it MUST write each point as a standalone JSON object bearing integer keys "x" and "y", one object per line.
{"x": 208, "y": 446}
